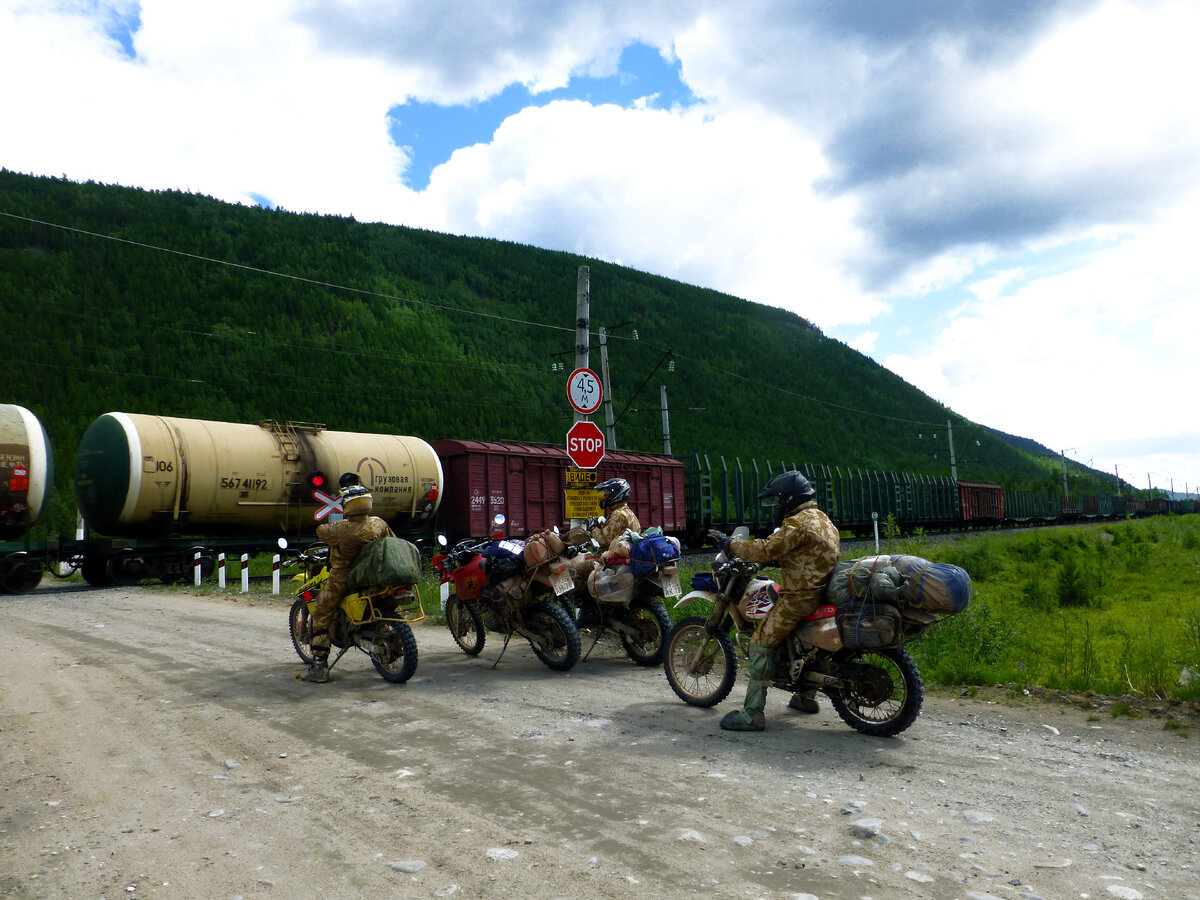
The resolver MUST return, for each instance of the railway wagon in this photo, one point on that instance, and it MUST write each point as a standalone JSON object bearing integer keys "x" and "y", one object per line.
{"x": 158, "y": 480}
{"x": 724, "y": 494}
{"x": 26, "y": 470}
{"x": 525, "y": 482}
{"x": 981, "y": 503}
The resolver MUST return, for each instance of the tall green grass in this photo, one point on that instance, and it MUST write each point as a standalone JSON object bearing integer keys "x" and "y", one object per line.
{"x": 1112, "y": 608}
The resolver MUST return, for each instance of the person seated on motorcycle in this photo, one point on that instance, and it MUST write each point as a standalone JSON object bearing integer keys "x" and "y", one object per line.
{"x": 805, "y": 547}
{"x": 346, "y": 540}
{"x": 618, "y": 516}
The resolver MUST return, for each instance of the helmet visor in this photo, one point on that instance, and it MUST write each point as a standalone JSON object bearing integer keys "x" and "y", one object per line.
{"x": 771, "y": 501}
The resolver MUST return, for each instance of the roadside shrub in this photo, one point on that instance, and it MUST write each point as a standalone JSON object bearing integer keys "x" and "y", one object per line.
{"x": 1072, "y": 587}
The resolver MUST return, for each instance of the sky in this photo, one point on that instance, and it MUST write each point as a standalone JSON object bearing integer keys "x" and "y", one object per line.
{"x": 997, "y": 201}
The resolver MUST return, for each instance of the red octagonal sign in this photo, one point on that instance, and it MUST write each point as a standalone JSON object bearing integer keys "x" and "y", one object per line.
{"x": 585, "y": 445}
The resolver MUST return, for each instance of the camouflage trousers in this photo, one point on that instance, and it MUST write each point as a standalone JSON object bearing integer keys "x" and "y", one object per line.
{"x": 784, "y": 616}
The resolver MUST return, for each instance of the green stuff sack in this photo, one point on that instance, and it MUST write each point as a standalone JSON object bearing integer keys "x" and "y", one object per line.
{"x": 390, "y": 560}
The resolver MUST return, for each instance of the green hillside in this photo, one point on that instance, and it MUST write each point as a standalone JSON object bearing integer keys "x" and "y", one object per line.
{"x": 177, "y": 304}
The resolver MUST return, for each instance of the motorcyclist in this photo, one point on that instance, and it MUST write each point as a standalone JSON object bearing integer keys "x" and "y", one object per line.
{"x": 618, "y": 516}
{"x": 346, "y": 540}
{"x": 805, "y": 547}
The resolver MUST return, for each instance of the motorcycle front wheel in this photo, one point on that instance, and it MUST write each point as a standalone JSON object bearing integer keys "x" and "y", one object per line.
{"x": 701, "y": 667}
{"x": 649, "y": 618}
{"x": 395, "y": 653}
{"x": 466, "y": 625}
{"x": 886, "y": 699}
{"x": 301, "y": 626}
{"x": 556, "y": 634}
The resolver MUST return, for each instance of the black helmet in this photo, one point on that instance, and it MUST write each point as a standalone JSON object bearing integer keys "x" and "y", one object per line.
{"x": 614, "y": 490}
{"x": 785, "y": 492}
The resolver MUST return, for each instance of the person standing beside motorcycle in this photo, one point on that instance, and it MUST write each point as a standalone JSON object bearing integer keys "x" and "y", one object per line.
{"x": 805, "y": 547}
{"x": 346, "y": 540}
{"x": 618, "y": 516}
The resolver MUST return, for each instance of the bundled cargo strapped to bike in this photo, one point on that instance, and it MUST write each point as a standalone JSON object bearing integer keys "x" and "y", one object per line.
{"x": 389, "y": 561}
{"x": 612, "y": 584}
{"x": 651, "y": 551}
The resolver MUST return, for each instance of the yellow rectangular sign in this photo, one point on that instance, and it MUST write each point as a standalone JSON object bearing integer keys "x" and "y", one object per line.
{"x": 581, "y": 478}
{"x": 581, "y": 504}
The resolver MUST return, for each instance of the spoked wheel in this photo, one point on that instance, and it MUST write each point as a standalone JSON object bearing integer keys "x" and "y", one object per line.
{"x": 886, "y": 696}
{"x": 556, "y": 639}
{"x": 395, "y": 651}
{"x": 301, "y": 625}
{"x": 701, "y": 667}
{"x": 652, "y": 624}
{"x": 466, "y": 625}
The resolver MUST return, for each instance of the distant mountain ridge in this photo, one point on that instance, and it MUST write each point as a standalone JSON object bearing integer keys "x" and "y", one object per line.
{"x": 179, "y": 304}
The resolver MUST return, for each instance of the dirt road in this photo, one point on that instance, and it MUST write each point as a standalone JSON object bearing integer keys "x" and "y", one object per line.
{"x": 156, "y": 744}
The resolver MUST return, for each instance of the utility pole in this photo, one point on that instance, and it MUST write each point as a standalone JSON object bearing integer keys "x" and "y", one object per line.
{"x": 583, "y": 306}
{"x": 1063, "y": 455}
{"x": 610, "y": 428}
{"x": 953, "y": 464}
{"x": 662, "y": 390}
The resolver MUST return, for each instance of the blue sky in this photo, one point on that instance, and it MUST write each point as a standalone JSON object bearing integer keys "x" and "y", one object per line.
{"x": 996, "y": 201}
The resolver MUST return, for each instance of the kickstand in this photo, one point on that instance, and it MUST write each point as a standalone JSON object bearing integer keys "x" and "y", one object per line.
{"x": 599, "y": 631}
{"x": 341, "y": 653}
{"x": 507, "y": 638}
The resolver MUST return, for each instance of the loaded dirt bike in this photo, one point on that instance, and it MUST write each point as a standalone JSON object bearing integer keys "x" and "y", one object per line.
{"x": 626, "y": 583}
{"x": 509, "y": 587}
{"x": 851, "y": 648}
{"x": 375, "y": 619}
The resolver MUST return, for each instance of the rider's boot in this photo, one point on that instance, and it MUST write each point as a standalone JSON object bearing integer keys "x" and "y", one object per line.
{"x": 759, "y": 667}
{"x": 318, "y": 670}
{"x": 805, "y": 701}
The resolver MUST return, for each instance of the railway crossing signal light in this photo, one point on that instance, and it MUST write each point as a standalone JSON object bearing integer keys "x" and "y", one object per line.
{"x": 316, "y": 481}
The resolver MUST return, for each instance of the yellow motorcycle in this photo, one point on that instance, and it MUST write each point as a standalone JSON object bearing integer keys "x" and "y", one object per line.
{"x": 375, "y": 620}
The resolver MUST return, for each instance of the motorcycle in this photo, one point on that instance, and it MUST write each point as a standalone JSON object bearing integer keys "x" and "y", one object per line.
{"x": 626, "y": 589}
{"x": 509, "y": 587}
{"x": 375, "y": 621}
{"x": 851, "y": 648}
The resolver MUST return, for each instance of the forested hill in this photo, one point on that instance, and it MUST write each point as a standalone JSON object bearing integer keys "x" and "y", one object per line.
{"x": 178, "y": 304}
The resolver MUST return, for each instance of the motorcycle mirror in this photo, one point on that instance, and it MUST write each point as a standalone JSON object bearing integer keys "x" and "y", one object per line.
{"x": 741, "y": 532}
{"x": 283, "y": 543}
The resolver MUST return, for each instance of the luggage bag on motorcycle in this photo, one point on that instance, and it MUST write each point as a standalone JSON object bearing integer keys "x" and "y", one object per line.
{"x": 390, "y": 561}
{"x": 612, "y": 584}
{"x": 541, "y": 547}
{"x": 872, "y": 577}
{"x": 868, "y": 625}
{"x": 504, "y": 559}
{"x": 933, "y": 586}
{"x": 650, "y": 551}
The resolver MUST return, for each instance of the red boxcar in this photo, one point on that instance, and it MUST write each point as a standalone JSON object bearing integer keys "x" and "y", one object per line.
{"x": 980, "y": 502}
{"x": 526, "y": 483}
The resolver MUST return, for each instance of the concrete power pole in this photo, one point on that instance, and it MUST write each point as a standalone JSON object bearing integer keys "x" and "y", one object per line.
{"x": 666, "y": 421}
{"x": 610, "y": 429}
{"x": 583, "y": 324}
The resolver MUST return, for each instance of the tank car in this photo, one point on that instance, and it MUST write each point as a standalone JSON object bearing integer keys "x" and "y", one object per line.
{"x": 26, "y": 470}
{"x": 158, "y": 476}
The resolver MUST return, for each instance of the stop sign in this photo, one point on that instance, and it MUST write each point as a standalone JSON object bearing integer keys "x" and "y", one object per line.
{"x": 585, "y": 445}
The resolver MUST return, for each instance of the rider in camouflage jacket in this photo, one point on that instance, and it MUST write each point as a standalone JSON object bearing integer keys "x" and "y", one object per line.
{"x": 806, "y": 548}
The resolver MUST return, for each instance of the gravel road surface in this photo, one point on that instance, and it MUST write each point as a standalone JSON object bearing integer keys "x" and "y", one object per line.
{"x": 155, "y": 743}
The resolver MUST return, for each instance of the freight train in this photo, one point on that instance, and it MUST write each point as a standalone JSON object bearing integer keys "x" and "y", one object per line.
{"x": 160, "y": 496}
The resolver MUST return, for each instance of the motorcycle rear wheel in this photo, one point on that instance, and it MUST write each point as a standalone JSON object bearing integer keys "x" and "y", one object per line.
{"x": 559, "y": 637}
{"x": 301, "y": 628}
{"x": 886, "y": 702}
{"x": 397, "y": 660}
{"x": 701, "y": 667}
{"x": 653, "y": 624}
{"x": 466, "y": 625}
